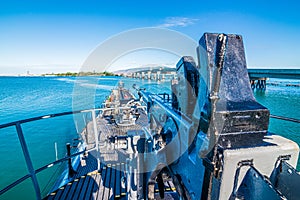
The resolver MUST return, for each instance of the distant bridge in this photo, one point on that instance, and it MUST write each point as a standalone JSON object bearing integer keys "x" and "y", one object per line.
{"x": 158, "y": 76}
{"x": 255, "y": 74}
{"x": 258, "y": 77}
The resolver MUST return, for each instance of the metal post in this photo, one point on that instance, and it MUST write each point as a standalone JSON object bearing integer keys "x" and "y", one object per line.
{"x": 214, "y": 98}
{"x": 96, "y": 137}
{"x": 86, "y": 130}
{"x": 141, "y": 182}
{"x": 71, "y": 170}
{"x": 28, "y": 161}
{"x": 56, "y": 154}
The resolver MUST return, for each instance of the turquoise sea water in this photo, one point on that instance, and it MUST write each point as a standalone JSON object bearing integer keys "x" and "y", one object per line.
{"x": 25, "y": 97}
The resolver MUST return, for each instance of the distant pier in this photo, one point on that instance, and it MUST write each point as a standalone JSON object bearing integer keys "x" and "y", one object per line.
{"x": 258, "y": 77}
{"x": 156, "y": 76}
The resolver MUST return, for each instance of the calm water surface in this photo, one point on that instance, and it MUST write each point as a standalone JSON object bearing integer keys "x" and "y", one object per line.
{"x": 24, "y": 97}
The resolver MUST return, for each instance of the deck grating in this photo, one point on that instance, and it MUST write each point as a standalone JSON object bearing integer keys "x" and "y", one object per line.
{"x": 108, "y": 182}
{"x": 100, "y": 184}
{"x": 104, "y": 184}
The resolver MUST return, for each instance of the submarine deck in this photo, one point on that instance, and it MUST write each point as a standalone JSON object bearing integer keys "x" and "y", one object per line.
{"x": 108, "y": 182}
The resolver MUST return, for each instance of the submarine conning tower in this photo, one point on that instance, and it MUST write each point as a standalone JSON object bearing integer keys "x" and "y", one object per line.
{"x": 232, "y": 155}
{"x": 212, "y": 141}
{"x": 221, "y": 87}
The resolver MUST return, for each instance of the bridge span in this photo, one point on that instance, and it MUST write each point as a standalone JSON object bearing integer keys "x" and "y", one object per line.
{"x": 274, "y": 73}
{"x": 258, "y": 77}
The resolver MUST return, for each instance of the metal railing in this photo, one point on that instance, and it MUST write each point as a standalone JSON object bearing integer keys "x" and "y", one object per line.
{"x": 32, "y": 173}
{"x": 285, "y": 118}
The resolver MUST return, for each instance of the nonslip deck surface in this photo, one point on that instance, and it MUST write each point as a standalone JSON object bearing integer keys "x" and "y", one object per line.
{"x": 107, "y": 183}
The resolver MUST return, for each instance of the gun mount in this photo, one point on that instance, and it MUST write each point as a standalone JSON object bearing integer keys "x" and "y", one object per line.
{"x": 211, "y": 138}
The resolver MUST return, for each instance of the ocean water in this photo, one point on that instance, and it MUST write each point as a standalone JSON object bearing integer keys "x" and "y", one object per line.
{"x": 25, "y": 97}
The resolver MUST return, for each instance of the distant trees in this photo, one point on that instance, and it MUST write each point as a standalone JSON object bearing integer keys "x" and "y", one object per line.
{"x": 105, "y": 73}
{"x": 108, "y": 73}
{"x": 70, "y": 74}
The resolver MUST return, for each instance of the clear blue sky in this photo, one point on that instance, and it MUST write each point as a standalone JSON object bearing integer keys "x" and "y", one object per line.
{"x": 56, "y": 35}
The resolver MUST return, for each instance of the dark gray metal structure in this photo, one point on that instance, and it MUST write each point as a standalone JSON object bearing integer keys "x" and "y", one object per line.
{"x": 204, "y": 148}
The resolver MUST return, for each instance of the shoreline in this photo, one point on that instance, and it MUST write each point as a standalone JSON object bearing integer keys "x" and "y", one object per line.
{"x": 274, "y": 82}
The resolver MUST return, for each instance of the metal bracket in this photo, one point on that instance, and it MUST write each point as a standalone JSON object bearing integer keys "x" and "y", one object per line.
{"x": 215, "y": 167}
{"x": 219, "y": 163}
{"x": 278, "y": 168}
{"x": 240, "y": 164}
{"x": 283, "y": 158}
